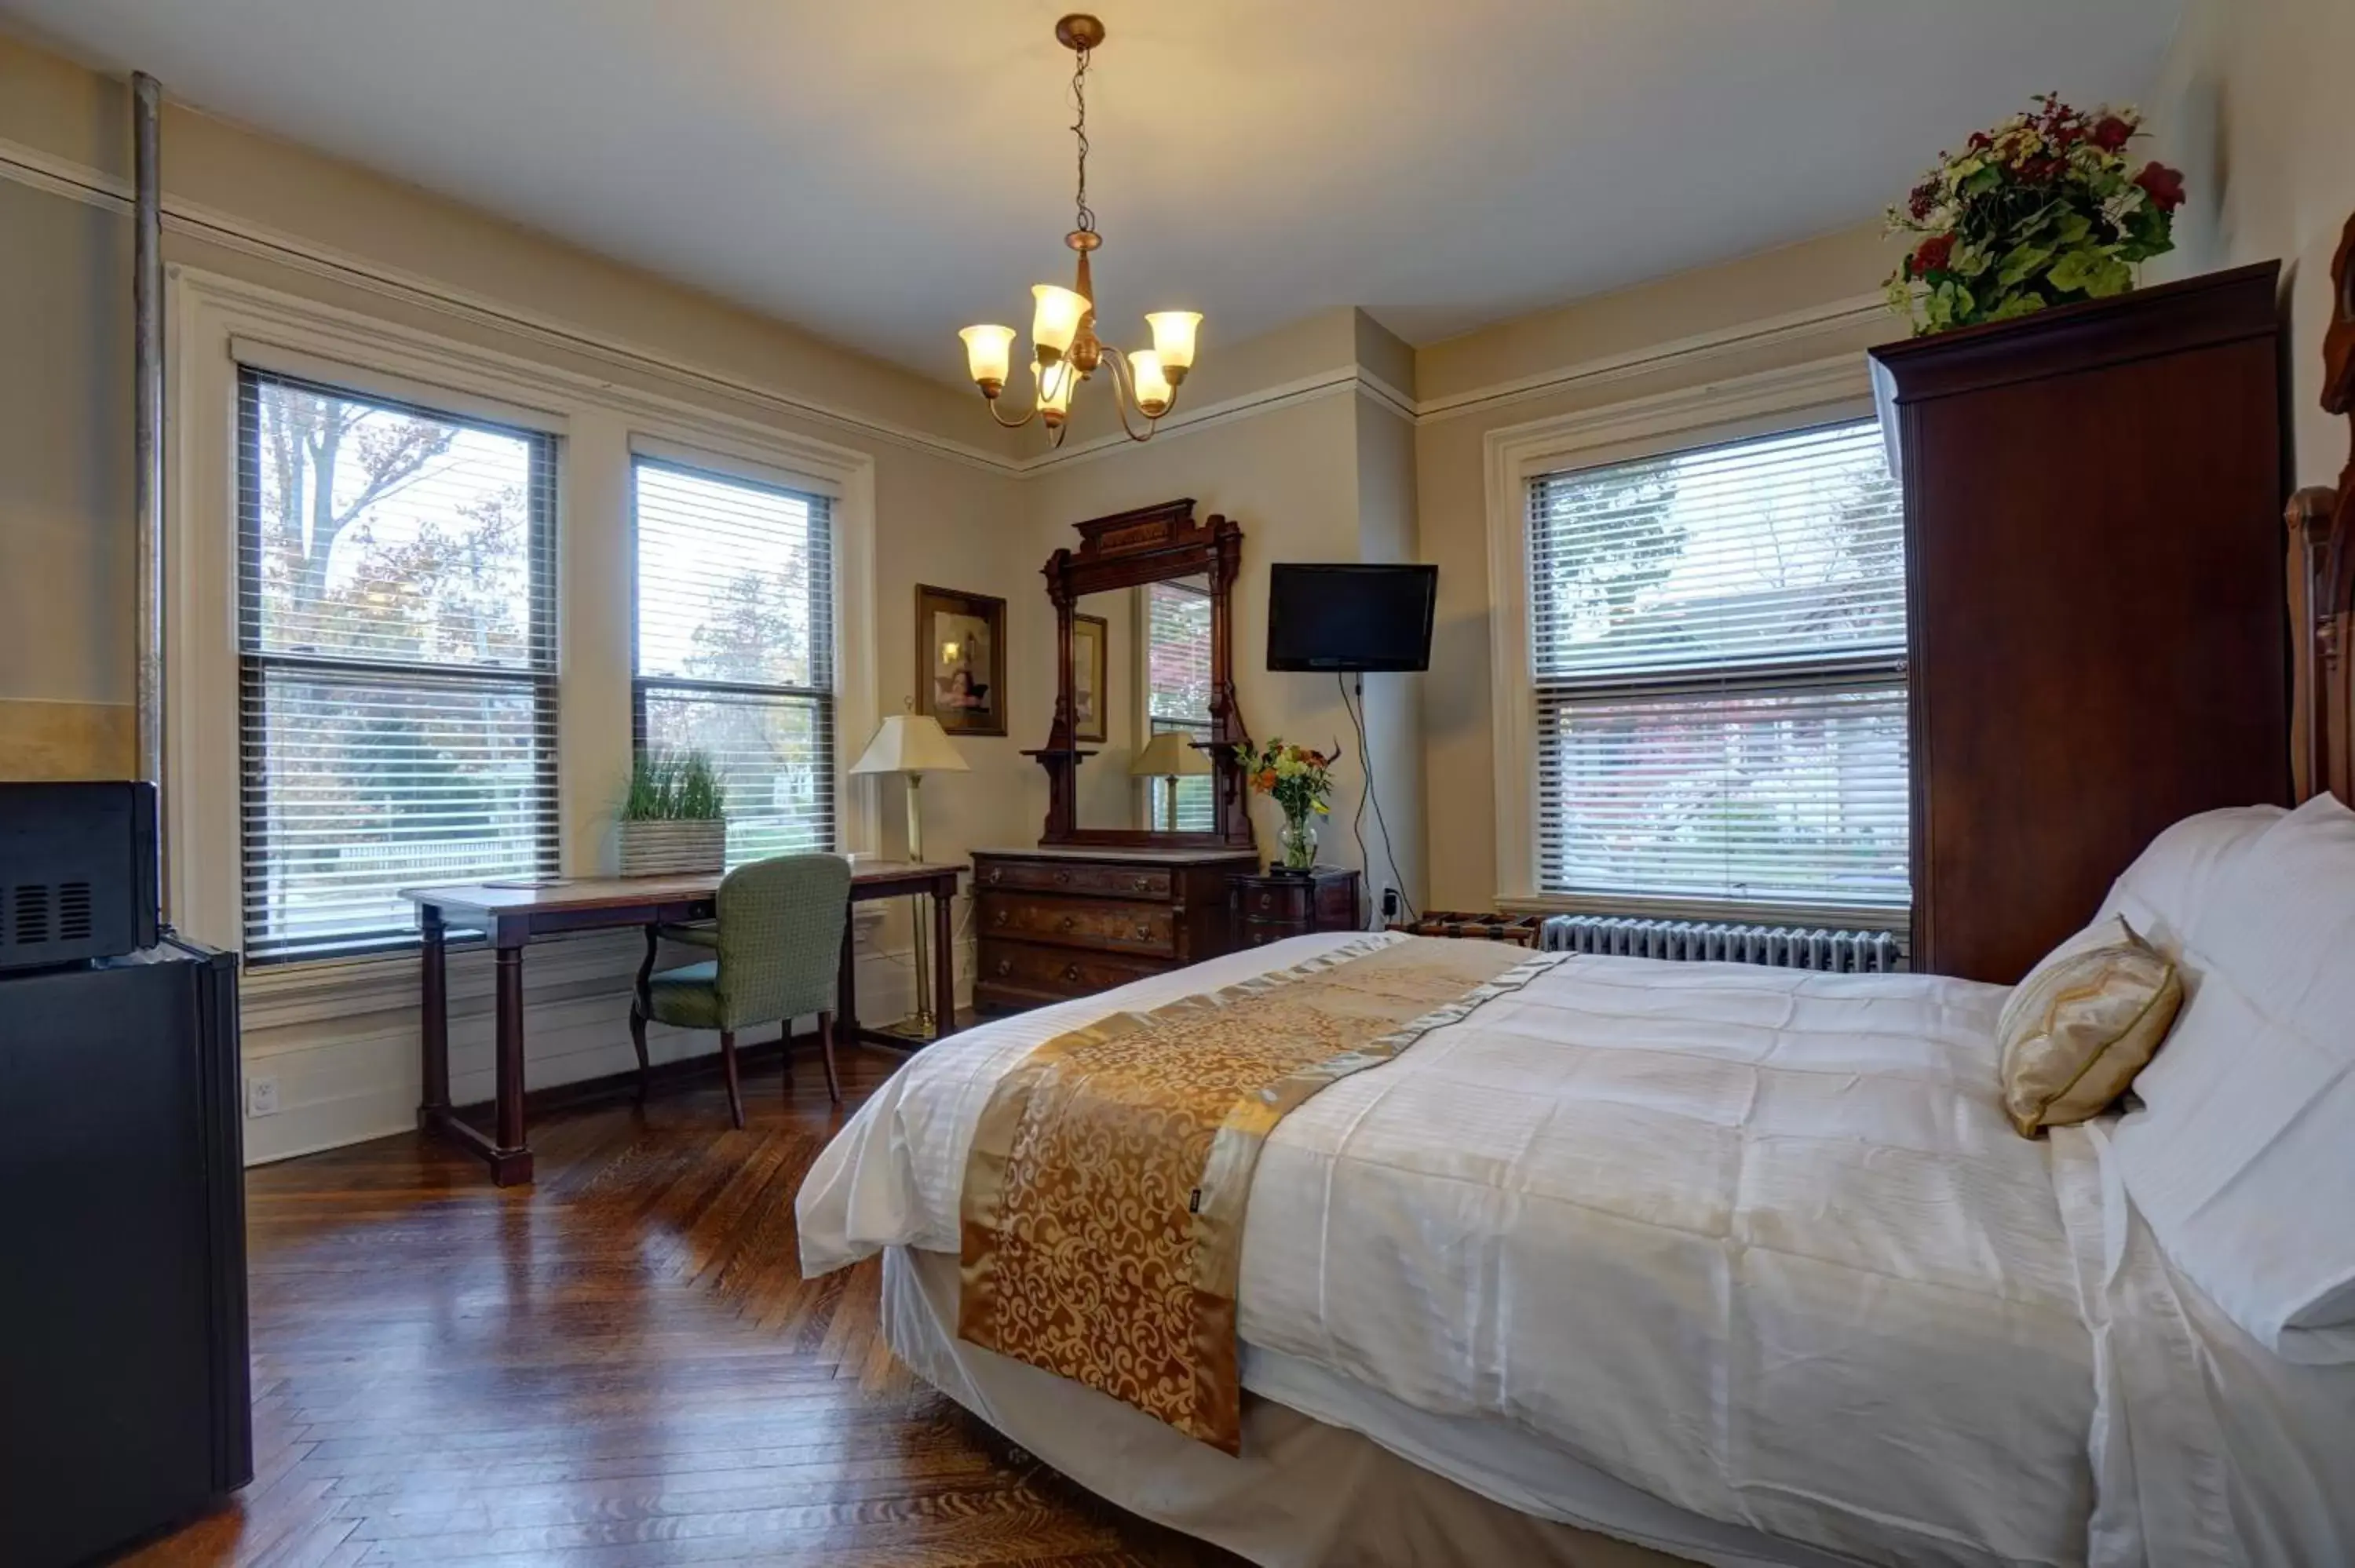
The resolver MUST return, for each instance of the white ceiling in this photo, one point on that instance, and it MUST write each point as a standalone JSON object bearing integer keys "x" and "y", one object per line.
{"x": 884, "y": 171}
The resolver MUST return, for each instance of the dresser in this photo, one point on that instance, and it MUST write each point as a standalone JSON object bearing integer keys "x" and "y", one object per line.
{"x": 1055, "y": 922}
{"x": 1269, "y": 908}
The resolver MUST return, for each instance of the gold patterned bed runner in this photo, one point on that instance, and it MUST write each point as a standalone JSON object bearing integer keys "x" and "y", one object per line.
{"x": 1102, "y": 1209}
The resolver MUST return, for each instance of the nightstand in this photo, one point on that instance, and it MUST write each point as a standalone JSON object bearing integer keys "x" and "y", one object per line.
{"x": 1269, "y": 906}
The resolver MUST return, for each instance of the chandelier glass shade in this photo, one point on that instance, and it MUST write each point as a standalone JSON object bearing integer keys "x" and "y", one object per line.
{"x": 1064, "y": 348}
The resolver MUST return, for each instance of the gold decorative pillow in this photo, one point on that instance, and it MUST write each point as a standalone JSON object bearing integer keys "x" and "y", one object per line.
{"x": 2082, "y": 1023}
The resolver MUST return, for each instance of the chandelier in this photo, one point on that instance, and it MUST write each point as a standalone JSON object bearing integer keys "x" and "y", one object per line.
{"x": 1065, "y": 350}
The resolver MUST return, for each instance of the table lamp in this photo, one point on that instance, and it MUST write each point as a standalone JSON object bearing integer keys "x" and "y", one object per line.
{"x": 1170, "y": 755}
{"x": 913, "y": 745}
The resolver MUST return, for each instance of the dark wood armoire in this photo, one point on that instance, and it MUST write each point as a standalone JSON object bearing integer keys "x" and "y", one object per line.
{"x": 2100, "y": 644}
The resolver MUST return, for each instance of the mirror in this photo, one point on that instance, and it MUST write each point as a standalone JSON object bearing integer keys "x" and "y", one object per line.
{"x": 1141, "y": 671}
{"x": 1140, "y": 750}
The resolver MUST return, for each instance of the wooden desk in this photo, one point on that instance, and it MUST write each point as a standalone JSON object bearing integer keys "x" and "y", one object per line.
{"x": 513, "y": 915}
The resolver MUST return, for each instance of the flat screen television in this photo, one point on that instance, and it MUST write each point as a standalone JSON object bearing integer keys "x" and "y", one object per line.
{"x": 1349, "y": 618}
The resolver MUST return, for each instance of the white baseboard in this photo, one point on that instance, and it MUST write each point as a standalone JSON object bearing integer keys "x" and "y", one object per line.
{"x": 350, "y": 1073}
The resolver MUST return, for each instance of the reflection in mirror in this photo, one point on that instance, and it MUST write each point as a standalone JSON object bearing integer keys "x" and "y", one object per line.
{"x": 1175, "y": 659}
{"x": 1141, "y": 668}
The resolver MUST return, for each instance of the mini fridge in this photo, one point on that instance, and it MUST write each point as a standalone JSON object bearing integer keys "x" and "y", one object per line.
{"x": 124, "y": 1388}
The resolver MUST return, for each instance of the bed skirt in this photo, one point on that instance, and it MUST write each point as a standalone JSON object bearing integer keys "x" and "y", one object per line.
{"x": 1309, "y": 1495}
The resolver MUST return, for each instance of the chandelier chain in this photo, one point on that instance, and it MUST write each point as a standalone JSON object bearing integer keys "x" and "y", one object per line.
{"x": 1087, "y": 217}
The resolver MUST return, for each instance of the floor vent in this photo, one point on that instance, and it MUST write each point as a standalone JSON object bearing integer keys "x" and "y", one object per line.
{"x": 1697, "y": 941}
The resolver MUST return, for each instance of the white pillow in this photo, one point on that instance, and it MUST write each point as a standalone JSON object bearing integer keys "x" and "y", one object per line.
{"x": 2243, "y": 1157}
{"x": 2167, "y": 884}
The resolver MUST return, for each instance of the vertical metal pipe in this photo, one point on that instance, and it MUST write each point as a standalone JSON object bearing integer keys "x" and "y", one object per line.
{"x": 147, "y": 453}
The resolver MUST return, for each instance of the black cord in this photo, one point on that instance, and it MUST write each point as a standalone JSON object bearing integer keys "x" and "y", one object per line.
{"x": 1366, "y": 761}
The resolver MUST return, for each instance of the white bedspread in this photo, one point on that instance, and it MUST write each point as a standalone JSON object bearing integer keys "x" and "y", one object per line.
{"x": 1755, "y": 1241}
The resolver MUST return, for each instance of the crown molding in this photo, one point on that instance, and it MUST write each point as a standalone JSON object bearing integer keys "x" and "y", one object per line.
{"x": 40, "y": 170}
{"x": 45, "y": 171}
{"x": 1788, "y": 328}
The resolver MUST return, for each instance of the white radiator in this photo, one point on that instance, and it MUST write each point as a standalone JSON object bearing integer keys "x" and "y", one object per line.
{"x": 1777, "y": 947}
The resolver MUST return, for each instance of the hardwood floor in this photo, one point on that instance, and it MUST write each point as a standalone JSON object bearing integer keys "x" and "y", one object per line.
{"x": 619, "y": 1365}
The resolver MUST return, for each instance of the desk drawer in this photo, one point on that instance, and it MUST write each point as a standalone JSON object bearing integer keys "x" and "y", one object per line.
{"x": 1096, "y": 881}
{"x": 1059, "y": 971}
{"x": 1100, "y": 924}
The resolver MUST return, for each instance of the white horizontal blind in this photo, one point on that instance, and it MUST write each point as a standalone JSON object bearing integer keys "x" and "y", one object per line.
{"x": 735, "y": 647}
{"x": 1717, "y": 647}
{"x": 397, "y": 653}
{"x": 1178, "y": 692}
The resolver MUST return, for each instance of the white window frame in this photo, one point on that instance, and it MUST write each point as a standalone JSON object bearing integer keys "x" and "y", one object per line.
{"x": 1768, "y": 403}
{"x": 214, "y": 323}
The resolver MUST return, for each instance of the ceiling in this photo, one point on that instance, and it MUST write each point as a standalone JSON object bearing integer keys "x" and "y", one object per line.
{"x": 883, "y": 172}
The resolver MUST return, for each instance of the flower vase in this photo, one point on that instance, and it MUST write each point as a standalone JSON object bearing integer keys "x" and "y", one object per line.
{"x": 1299, "y": 842}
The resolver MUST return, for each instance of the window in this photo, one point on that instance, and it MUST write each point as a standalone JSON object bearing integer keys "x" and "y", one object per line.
{"x": 396, "y": 660}
{"x": 735, "y": 647}
{"x": 1717, "y": 647}
{"x": 1178, "y": 692}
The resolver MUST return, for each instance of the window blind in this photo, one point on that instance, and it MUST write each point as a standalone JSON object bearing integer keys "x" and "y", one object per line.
{"x": 735, "y": 647}
{"x": 1178, "y": 692}
{"x": 1717, "y": 648}
{"x": 396, "y": 660}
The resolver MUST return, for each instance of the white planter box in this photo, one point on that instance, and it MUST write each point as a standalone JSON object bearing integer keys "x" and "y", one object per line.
{"x": 673, "y": 849}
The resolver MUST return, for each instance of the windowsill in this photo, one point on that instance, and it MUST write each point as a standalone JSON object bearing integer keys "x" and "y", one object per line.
{"x": 1810, "y": 917}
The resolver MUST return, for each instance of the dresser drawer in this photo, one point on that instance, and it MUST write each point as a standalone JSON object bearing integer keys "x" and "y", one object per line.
{"x": 1059, "y": 971}
{"x": 1097, "y": 881}
{"x": 1101, "y": 924}
{"x": 1260, "y": 933}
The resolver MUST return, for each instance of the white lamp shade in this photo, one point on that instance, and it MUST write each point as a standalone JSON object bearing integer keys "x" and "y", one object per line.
{"x": 909, "y": 743}
{"x": 1054, "y": 389}
{"x": 1173, "y": 337}
{"x": 1056, "y": 321}
{"x": 1169, "y": 755}
{"x": 1152, "y": 387}
{"x": 988, "y": 351}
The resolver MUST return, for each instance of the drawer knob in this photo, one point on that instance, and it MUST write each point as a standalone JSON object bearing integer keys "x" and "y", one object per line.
{"x": 1071, "y": 973}
{"x": 1144, "y": 885}
{"x": 997, "y": 917}
{"x": 997, "y": 872}
{"x": 1267, "y": 900}
{"x": 1144, "y": 933}
{"x": 1005, "y": 968}
{"x": 1062, "y": 877}
{"x": 1066, "y": 923}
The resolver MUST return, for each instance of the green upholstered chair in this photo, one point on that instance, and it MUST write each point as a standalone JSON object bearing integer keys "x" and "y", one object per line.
{"x": 775, "y": 949}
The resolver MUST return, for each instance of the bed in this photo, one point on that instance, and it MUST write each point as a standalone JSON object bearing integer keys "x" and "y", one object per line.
{"x": 1634, "y": 1262}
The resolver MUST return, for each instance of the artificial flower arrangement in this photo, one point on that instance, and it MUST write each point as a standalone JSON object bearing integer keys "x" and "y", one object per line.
{"x": 2048, "y": 208}
{"x": 1300, "y": 780}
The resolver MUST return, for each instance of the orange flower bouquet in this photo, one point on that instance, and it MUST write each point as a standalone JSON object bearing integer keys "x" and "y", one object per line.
{"x": 1300, "y": 780}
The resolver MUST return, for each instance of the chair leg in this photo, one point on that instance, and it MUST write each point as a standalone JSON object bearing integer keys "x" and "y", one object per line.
{"x": 728, "y": 1066}
{"x": 640, "y": 1003}
{"x": 826, "y": 1046}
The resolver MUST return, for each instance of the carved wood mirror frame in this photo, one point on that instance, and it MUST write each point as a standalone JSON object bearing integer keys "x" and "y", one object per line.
{"x": 1128, "y": 549}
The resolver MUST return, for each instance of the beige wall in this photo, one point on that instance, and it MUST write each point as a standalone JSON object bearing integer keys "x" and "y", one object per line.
{"x": 2252, "y": 104}
{"x": 1681, "y": 332}
{"x": 66, "y": 568}
{"x": 265, "y": 212}
{"x": 1297, "y": 477}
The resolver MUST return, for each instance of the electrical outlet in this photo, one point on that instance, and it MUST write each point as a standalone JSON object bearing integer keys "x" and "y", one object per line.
{"x": 1389, "y": 904}
{"x": 262, "y": 1096}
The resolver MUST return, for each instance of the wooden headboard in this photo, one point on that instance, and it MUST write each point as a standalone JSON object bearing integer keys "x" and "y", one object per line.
{"x": 2322, "y": 575}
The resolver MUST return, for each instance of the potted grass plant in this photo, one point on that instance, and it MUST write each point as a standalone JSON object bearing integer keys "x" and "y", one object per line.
{"x": 674, "y": 816}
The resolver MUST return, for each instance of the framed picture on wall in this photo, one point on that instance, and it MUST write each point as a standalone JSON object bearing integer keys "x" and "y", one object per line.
{"x": 961, "y": 659}
{"x": 1090, "y": 694}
